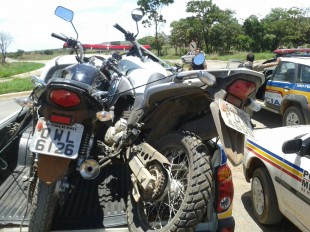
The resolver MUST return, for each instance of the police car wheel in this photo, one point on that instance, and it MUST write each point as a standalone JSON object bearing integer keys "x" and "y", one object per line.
{"x": 293, "y": 116}
{"x": 264, "y": 199}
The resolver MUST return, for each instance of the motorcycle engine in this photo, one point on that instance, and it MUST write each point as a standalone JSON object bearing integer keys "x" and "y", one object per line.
{"x": 114, "y": 133}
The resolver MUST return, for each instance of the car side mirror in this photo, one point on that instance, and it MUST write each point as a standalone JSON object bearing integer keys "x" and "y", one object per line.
{"x": 302, "y": 147}
{"x": 292, "y": 146}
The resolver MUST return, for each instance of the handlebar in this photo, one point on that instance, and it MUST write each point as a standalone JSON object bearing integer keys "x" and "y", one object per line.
{"x": 118, "y": 27}
{"x": 71, "y": 43}
{"x": 61, "y": 37}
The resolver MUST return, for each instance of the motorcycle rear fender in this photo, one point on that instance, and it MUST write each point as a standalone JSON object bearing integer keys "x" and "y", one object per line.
{"x": 231, "y": 140}
{"x": 52, "y": 168}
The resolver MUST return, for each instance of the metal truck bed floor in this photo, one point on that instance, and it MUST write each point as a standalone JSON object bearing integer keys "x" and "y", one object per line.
{"x": 98, "y": 203}
{"x": 13, "y": 198}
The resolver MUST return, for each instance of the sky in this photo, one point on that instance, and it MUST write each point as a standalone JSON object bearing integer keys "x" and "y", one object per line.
{"x": 31, "y": 22}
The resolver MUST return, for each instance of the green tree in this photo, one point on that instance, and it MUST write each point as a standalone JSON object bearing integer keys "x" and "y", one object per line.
{"x": 151, "y": 40}
{"x": 276, "y": 24}
{"x": 19, "y": 52}
{"x": 243, "y": 42}
{"x": 223, "y": 36}
{"x": 298, "y": 27}
{"x": 254, "y": 29}
{"x": 182, "y": 33}
{"x": 208, "y": 15}
{"x": 152, "y": 8}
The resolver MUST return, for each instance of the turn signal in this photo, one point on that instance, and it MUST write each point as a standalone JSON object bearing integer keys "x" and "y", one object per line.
{"x": 24, "y": 102}
{"x": 64, "y": 98}
{"x": 104, "y": 116}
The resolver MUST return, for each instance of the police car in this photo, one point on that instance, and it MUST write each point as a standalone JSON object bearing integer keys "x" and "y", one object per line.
{"x": 277, "y": 162}
{"x": 287, "y": 90}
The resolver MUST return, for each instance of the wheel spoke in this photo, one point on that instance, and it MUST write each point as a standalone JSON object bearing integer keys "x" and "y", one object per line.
{"x": 162, "y": 208}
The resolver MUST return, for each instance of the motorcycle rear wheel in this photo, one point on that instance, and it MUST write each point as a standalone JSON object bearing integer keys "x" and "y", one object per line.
{"x": 184, "y": 210}
{"x": 42, "y": 208}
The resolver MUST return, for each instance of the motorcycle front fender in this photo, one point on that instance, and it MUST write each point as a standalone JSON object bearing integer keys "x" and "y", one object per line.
{"x": 52, "y": 168}
{"x": 231, "y": 140}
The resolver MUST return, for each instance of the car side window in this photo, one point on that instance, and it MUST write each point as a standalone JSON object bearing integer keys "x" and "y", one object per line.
{"x": 304, "y": 74}
{"x": 285, "y": 72}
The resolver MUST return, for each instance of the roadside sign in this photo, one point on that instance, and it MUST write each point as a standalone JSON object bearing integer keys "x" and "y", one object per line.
{"x": 192, "y": 46}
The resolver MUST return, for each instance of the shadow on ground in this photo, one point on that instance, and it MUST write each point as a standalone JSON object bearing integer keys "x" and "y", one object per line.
{"x": 284, "y": 226}
{"x": 267, "y": 119}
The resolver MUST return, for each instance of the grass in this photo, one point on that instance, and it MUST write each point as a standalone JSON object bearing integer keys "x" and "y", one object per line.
{"x": 236, "y": 55}
{"x": 16, "y": 85}
{"x": 11, "y": 69}
{"x": 240, "y": 55}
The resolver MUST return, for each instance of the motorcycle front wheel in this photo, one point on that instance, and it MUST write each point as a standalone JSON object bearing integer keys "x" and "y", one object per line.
{"x": 43, "y": 207}
{"x": 186, "y": 202}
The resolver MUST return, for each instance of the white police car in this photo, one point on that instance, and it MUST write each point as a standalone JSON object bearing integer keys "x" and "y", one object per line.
{"x": 277, "y": 162}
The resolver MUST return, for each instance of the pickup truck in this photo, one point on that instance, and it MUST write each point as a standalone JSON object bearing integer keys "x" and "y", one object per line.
{"x": 286, "y": 90}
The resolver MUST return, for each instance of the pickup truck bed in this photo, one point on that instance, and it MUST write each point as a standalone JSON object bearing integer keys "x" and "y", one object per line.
{"x": 102, "y": 202}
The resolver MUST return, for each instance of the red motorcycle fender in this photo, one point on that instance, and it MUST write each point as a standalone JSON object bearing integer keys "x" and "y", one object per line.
{"x": 52, "y": 168}
{"x": 231, "y": 140}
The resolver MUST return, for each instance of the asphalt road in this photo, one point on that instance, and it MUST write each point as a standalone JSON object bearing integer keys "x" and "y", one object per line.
{"x": 7, "y": 104}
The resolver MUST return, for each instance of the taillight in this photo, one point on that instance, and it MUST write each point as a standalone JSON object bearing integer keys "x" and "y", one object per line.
{"x": 225, "y": 188}
{"x": 239, "y": 91}
{"x": 64, "y": 98}
{"x": 60, "y": 119}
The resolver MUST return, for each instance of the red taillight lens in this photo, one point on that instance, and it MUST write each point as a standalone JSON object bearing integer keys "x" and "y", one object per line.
{"x": 60, "y": 119}
{"x": 241, "y": 89}
{"x": 225, "y": 188}
{"x": 64, "y": 98}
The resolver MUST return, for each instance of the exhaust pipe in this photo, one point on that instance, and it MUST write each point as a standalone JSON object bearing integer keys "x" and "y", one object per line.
{"x": 89, "y": 169}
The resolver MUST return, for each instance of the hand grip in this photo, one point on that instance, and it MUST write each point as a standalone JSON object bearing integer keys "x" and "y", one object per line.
{"x": 118, "y": 27}
{"x": 63, "y": 38}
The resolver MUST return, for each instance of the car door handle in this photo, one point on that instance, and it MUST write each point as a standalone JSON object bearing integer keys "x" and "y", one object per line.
{"x": 286, "y": 88}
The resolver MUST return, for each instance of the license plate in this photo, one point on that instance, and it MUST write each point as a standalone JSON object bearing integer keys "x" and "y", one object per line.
{"x": 57, "y": 140}
{"x": 236, "y": 118}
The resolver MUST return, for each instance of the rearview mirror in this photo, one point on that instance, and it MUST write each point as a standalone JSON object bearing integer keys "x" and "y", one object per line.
{"x": 64, "y": 13}
{"x": 199, "y": 59}
{"x": 137, "y": 14}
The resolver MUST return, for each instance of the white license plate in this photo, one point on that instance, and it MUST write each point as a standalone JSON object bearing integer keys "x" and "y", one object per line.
{"x": 57, "y": 140}
{"x": 236, "y": 118}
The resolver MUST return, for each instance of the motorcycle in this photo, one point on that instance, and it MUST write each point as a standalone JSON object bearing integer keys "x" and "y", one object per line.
{"x": 156, "y": 120}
